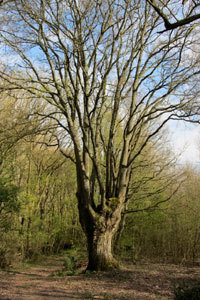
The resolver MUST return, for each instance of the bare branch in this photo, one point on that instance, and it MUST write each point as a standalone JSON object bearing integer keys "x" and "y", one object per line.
{"x": 167, "y": 23}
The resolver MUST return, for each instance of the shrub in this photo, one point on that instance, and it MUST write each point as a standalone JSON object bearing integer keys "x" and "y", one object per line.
{"x": 187, "y": 292}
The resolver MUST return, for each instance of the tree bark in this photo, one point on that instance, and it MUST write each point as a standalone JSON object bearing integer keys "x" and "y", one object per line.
{"x": 100, "y": 257}
{"x": 99, "y": 228}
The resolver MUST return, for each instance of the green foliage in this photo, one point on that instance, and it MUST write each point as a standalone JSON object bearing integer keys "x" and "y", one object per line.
{"x": 113, "y": 203}
{"x": 38, "y": 202}
{"x": 72, "y": 259}
{"x": 69, "y": 263}
{"x": 88, "y": 295}
{"x": 9, "y": 207}
{"x": 106, "y": 297}
{"x": 8, "y": 196}
{"x": 187, "y": 292}
{"x": 60, "y": 274}
{"x": 170, "y": 233}
{"x": 9, "y": 245}
{"x": 88, "y": 272}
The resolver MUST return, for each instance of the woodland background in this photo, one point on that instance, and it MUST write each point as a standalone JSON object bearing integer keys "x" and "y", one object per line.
{"x": 38, "y": 206}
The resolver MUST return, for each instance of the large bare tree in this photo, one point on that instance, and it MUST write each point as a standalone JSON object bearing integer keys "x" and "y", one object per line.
{"x": 111, "y": 83}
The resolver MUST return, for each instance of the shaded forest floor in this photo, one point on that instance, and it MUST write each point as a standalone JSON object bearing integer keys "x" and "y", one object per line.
{"x": 140, "y": 282}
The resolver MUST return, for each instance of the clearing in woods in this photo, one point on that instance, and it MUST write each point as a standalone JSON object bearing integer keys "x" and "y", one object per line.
{"x": 46, "y": 280}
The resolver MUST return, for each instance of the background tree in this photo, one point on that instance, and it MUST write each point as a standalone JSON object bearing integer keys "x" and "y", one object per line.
{"x": 94, "y": 64}
{"x": 47, "y": 211}
{"x": 38, "y": 213}
{"x": 154, "y": 182}
{"x": 169, "y": 233}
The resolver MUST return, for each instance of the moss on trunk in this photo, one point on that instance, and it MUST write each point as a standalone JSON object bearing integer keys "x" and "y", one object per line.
{"x": 100, "y": 257}
{"x": 100, "y": 228}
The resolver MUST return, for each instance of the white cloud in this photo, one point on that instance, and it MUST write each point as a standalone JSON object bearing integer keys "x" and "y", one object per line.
{"x": 185, "y": 141}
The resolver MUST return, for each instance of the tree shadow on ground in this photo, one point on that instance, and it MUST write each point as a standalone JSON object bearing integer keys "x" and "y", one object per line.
{"x": 141, "y": 282}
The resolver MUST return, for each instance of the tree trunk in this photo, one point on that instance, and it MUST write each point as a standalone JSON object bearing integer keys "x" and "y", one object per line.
{"x": 100, "y": 229}
{"x": 100, "y": 257}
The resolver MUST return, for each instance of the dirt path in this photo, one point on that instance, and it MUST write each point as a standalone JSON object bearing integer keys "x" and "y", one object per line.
{"x": 143, "y": 282}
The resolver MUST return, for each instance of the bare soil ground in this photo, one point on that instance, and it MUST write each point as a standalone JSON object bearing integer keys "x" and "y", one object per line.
{"x": 139, "y": 282}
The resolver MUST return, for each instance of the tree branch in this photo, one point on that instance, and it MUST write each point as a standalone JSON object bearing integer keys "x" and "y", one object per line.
{"x": 154, "y": 206}
{"x": 169, "y": 25}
